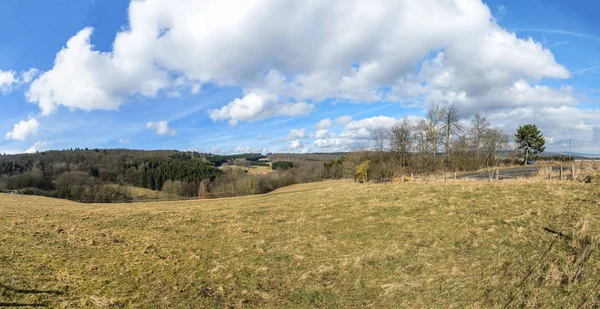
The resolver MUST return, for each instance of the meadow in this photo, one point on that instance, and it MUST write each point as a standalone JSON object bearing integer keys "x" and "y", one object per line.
{"x": 332, "y": 244}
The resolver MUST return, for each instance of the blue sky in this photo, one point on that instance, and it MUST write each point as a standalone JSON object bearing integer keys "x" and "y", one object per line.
{"x": 289, "y": 77}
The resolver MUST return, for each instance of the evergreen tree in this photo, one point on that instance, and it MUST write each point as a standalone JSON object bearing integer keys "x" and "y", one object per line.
{"x": 530, "y": 141}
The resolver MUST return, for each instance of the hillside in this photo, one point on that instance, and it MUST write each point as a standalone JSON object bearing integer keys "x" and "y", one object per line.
{"x": 332, "y": 244}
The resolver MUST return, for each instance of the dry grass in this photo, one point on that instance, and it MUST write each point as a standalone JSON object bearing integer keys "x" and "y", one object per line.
{"x": 331, "y": 245}
{"x": 258, "y": 170}
{"x": 582, "y": 170}
{"x": 141, "y": 194}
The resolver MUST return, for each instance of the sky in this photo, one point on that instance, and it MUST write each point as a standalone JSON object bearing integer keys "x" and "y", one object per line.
{"x": 290, "y": 76}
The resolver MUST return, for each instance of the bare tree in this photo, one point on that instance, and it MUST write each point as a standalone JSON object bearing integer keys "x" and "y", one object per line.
{"x": 495, "y": 142}
{"x": 450, "y": 127}
{"x": 479, "y": 126}
{"x": 421, "y": 140}
{"x": 379, "y": 137}
{"x": 401, "y": 140}
{"x": 435, "y": 114}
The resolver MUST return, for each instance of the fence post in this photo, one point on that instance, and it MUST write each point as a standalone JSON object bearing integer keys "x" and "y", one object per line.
{"x": 561, "y": 173}
{"x": 454, "y": 176}
{"x": 573, "y": 172}
{"x": 402, "y": 178}
{"x": 498, "y": 175}
{"x": 412, "y": 177}
{"x": 444, "y": 177}
{"x": 550, "y": 174}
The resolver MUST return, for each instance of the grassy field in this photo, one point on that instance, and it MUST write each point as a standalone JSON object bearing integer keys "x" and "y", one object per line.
{"x": 259, "y": 170}
{"x": 332, "y": 245}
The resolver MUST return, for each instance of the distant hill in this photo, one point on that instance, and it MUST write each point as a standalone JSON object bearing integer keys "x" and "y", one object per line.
{"x": 575, "y": 155}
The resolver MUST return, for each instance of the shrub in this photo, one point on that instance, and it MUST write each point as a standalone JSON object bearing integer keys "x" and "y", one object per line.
{"x": 80, "y": 186}
{"x": 180, "y": 188}
{"x": 32, "y": 179}
{"x": 282, "y": 165}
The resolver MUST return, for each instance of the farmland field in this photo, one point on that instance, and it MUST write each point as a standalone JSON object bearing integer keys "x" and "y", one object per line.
{"x": 335, "y": 244}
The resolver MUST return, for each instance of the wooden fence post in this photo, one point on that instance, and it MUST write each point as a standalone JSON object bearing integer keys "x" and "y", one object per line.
{"x": 573, "y": 172}
{"x": 561, "y": 173}
{"x": 412, "y": 177}
{"x": 498, "y": 175}
{"x": 402, "y": 178}
{"x": 454, "y": 176}
{"x": 550, "y": 174}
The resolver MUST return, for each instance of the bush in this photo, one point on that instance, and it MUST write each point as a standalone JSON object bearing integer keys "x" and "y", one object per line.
{"x": 178, "y": 188}
{"x": 241, "y": 162}
{"x": 80, "y": 186}
{"x": 236, "y": 182}
{"x": 32, "y": 179}
{"x": 282, "y": 165}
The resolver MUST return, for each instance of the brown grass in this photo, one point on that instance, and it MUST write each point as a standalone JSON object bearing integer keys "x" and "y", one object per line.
{"x": 332, "y": 245}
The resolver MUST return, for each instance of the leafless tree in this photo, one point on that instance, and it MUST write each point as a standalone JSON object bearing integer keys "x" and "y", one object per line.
{"x": 495, "y": 141}
{"x": 379, "y": 137}
{"x": 421, "y": 142}
{"x": 479, "y": 126}
{"x": 401, "y": 140}
{"x": 435, "y": 114}
{"x": 450, "y": 127}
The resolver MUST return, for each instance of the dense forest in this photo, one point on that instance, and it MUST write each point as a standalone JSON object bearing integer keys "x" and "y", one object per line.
{"x": 91, "y": 175}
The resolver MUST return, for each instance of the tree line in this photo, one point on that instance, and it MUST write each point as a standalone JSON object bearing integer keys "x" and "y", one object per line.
{"x": 439, "y": 142}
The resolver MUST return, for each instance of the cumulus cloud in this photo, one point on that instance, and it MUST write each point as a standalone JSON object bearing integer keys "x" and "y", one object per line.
{"x": 249, "y": 149}
{"x": 258, "y": 105}
{"x": 356, "y": 134}
{"x": 10, "y": 80}
{"x": 23, "y": 129}
{"x": 83, "y": 78}
{"x": 38, "y": 146}
{"x": 364, "y": 52}
{"x": 321, "y": 133}
{"x": 296, "y": 134}
{"x": 28, "y": 76}
{"x": 343, "y": 120}
{"x": 323, "y": 124}
{"x": 295, "y": 145}
{"x": 7, "y": 81}
{"x": 161, "y": 128}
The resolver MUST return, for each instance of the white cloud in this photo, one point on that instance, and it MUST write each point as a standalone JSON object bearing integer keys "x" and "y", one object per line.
{"x": 161, "y": 128}
{"x": 294, "y": 145}
{"x": 296, "y": 134}
{"x": 323, "y": 124}
{"x": 270, "y": 49}
{"x": 249, "y": 149}
{"x": 83, "y": 78}
{"x": 258, "y": 105}
{"x": 27, "y": 76}
{"x": 361, "y": 129}
{"x": 10, "y": 80}
{"x": 124, "y": 141}
{"x": 356, "y": 134}
{"x": 321, "y": 133}
{"x": 7, "y": 81}
{"x": 343, "y": 120}
{"x": 38, "y": 146}
{"x": 23, "y": 129}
